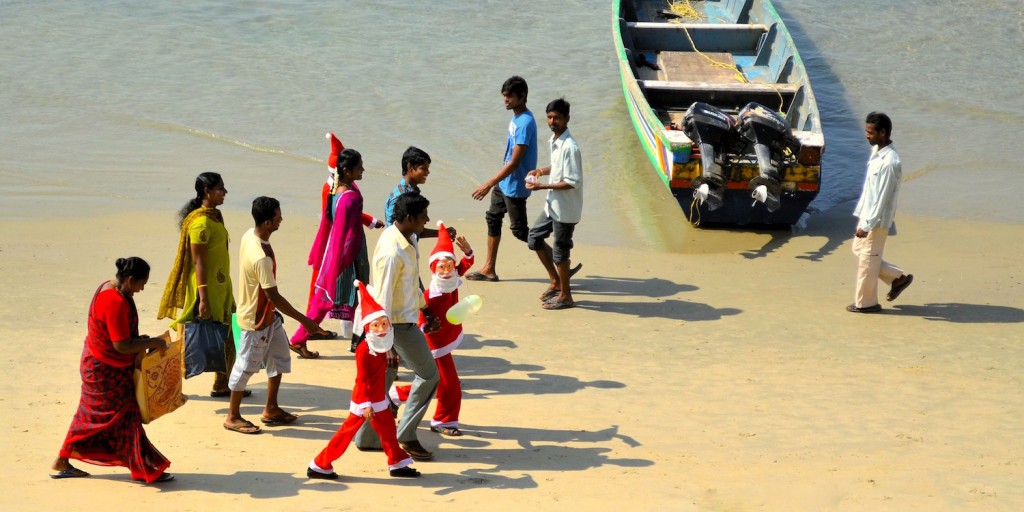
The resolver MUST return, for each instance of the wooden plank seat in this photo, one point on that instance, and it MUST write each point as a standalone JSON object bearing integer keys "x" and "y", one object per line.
{"x": 671, "y": 95}
{"x": 708, "y": 37}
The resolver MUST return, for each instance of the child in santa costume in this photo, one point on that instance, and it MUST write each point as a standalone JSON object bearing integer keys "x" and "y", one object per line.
{"x": 369, "y": 401}
{"x": 442, "y": 294}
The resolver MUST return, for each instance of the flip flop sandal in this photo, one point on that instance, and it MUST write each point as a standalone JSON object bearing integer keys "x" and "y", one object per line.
{"x": 328, "y": 335}
{"x": 71, "y": 472}
{"x": 164, "y": 477}
{"x": 558, "y": 305}
{"x": 447, "y": 431}
{"x": 247, "y": 427}
{"x": 477, "y": 276}
{"x": 303, "y": 352}
{"x": 548, "y": 294}
{"x": 575, "y": 269}
{"x": 283, "y": 419}
{"x": 222, "y": 394}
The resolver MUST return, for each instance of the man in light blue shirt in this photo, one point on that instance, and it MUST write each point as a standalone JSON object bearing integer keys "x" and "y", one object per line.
{"x": 508, "y": 187}
{"x": 875, "y": 212}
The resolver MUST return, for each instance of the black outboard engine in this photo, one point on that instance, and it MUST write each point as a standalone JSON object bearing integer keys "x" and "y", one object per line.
{"x": 710, "y": 128}
{"x": 769, "y": 132}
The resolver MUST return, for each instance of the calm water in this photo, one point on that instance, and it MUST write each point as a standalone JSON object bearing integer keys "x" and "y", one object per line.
{"x": 116, "y": 105}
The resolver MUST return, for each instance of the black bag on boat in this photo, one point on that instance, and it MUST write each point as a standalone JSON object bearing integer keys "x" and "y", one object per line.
{"x": 204, "y": 347}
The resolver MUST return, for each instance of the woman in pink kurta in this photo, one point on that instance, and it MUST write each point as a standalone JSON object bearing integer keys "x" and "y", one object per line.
{"x": 338, "y": 255}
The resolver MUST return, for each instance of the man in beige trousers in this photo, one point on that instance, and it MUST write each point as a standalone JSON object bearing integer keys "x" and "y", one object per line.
{"x": 875, "y": 212}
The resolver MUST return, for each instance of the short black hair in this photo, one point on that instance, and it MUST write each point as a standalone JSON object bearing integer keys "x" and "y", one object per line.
{"x": 264, "y": 209}
{"x": 409, "y": 204}
{"x": 881, "y": 122}
{"x": 560, "y": 105}
{"x": 132, "y": 267}
{"x": 515, "y": 85}
{"x": 413, "y": 156}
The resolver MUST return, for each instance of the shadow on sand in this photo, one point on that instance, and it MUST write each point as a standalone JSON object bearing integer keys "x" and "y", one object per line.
{"x": 962, "y": 313}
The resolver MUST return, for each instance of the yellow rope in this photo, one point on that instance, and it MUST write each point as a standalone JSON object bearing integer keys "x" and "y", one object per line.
{"x": 685, "y": 10}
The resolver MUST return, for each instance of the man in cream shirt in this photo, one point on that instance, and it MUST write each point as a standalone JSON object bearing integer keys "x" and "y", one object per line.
{"x": 394, "y": 274}
{"x": 875, "y": 212}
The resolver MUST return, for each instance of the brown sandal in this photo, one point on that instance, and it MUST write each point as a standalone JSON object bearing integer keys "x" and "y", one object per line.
{"x": 303, "y": 352}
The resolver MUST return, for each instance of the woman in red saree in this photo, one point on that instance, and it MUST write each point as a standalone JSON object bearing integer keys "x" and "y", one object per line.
{"x": 107, "y": 428}
{"x": 338, "y": 255}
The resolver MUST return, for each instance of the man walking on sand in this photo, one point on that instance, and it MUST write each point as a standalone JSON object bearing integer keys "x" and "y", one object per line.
{"x": 563, "y": 207}
{"x": 395, "y": 280}
{"x": 508, "y": 187}
{"x": 875, "y": 212}
{"x": 260, "y": 305}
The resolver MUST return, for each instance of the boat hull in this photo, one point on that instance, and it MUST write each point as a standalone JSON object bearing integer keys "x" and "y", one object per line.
{"x": 673, "y": 155}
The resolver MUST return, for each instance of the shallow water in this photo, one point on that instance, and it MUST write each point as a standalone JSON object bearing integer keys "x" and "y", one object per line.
{"x": 112, "y": 105}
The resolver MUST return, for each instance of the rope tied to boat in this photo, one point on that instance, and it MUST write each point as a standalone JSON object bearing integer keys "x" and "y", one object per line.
{"x": 685, "y": 10}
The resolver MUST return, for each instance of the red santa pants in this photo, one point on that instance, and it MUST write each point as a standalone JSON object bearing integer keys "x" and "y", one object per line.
{"x": 449, "y": 394}
{"x": 383, "y": 422}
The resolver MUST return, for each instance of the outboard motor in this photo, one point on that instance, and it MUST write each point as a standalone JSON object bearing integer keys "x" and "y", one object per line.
{"x": 710, "y": 128}
{"x": 769, "y": 132}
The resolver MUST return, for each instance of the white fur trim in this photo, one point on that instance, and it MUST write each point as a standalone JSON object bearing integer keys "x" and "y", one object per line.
{"x": 444, "y": 424}
{"x": 328, "y": 135}
{"x": 447, "y": 349}
{"x": 359, "y": 408}
{"x": 439, "y": 255}
{"x": 401, "y": 464}
{"x": 318, "y": 469}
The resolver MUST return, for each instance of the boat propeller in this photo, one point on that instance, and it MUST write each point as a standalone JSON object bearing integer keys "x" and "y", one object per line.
{"x": 710, "y": 128}
{"x": 770, "y": 134}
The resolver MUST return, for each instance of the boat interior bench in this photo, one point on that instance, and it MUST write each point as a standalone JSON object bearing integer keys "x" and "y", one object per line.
{"x": 679, "y": 95}
{"x": 708, "y": 37}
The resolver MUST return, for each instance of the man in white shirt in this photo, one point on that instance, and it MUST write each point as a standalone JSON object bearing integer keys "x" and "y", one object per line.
{"x": 563, "y": 207}
{"x": 875, "y": 212}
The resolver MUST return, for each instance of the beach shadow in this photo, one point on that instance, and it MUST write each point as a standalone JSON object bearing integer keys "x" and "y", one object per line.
{"x": 472, "y": 342}
{"x": 537, "y": 384}
{"x": 527, "y": 437}
{"x": 627, "y": 286}
{"x": 258, "y": 485}
{"x": 963, "y": 313}
{"x": 777, "y": 240}
{"x": 479, "y": 366}
{"x": 539, "y": 450}
{"x": 836, "y": 226}
{"x": 670, "y": 309}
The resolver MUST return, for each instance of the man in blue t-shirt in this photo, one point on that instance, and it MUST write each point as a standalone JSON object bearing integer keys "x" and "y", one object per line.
{"x": 508, "y": 187}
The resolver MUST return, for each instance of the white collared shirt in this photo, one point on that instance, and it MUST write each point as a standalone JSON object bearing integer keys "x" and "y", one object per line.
{"x": 877, "y": 205}
{"x": 565, "y": 206}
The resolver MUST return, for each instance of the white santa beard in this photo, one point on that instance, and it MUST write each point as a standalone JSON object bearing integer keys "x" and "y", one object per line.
{"x": 445, "y": 284}
{"x": 378, "y": 343}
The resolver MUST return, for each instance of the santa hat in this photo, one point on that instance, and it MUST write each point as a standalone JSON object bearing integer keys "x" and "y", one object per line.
{"x": 443, "y": 248}
{"x": 336, "y": 148}
{"x": 369, "y": 310}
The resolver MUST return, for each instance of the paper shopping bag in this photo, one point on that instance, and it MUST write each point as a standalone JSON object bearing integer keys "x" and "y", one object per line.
{"x": 158, "y": 380}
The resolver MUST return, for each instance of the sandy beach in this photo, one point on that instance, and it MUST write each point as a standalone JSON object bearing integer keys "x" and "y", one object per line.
{"x": 727, "y": 377}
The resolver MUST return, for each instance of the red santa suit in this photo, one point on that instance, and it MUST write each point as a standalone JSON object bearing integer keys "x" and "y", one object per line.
{"x": 367, "y": 392}
{"x": 448, "y": 338}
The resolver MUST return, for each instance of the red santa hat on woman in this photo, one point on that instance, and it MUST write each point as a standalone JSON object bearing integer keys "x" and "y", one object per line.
{"x": 336, "y": 148}
{"x": 443, "y": 248}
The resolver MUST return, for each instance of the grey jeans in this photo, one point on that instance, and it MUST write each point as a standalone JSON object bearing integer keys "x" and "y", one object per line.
{"x": 412, "y": 347}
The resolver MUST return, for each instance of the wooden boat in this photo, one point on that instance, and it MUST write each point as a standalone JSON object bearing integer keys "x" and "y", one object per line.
{"x": 723, "y": 107}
